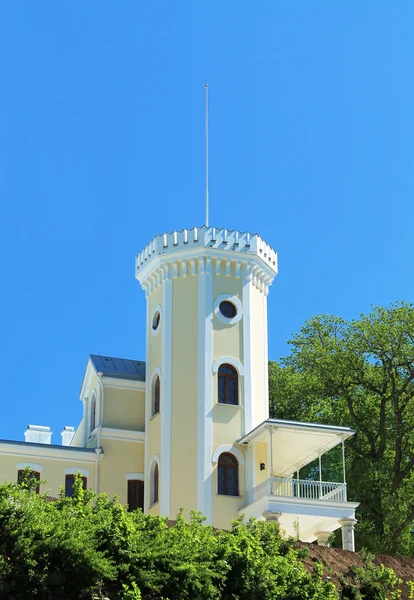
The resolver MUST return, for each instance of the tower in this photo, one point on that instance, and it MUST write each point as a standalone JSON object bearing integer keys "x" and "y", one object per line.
{"x": 206, "y": 364}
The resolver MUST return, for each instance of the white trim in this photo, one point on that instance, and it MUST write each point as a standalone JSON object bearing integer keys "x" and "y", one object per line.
{"x": 164, "y": 492}
{"x": 75, "y": 470}
{"x": 134, "y": 476}
{"x": 125, "y": 384}
{"x": 123, "y": 435}
{"x": 32, "y": 466}
{"x": 147, "y": 404}
{"x": 66, "y": 453}
{"x": 247, "y": 350}
{"x": 158, "y": 308}
{"x": 205, "y": 389}
{"x": 235, "y": 301}
{"x": 228, "y": 360}
{"x": 227, "y": 448}
{"x": 266, "y": 356}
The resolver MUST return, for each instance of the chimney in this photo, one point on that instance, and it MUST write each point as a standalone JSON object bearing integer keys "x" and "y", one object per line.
{"x": 67, "y": 435}
{"x": 38, "y": 433}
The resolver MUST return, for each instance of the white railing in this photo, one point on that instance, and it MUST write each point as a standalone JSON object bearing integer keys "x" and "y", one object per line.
{"x": 298, "y": 488}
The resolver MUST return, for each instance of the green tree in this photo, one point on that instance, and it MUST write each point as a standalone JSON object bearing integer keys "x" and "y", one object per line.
{"x": 360, "y": 373}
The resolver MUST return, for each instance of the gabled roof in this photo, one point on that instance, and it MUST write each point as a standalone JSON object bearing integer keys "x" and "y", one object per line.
{"x": 122, "y": 368}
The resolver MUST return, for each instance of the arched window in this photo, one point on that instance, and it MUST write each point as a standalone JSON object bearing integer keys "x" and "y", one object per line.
{"x": 69, "y": 481}
{"x": 154, "y": 489}
{"x": 228, "y": 475}
{"x": 93, "y": 413}
{"x": 156, "y": 395}
{"x": 228, "y": 385}
{"x": 25, "y": 475}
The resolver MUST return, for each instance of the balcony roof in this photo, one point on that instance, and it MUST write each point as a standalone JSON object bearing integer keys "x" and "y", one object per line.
{"x": 296, "y": 444}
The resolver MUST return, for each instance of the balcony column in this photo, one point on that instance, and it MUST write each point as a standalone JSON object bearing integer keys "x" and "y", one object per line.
{"x": 348, "y": 540}
{"x": 271, "y": 516}
{"x": 323, "y": 537}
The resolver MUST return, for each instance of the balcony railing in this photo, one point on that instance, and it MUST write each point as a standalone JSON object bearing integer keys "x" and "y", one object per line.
{"x": 298, "y": 488}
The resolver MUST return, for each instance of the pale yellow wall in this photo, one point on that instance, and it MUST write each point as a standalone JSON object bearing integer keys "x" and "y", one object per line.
{"x": 184, "y": 413}
{"x": 261, "y": 456}
{"x": 225, "y": 508}
{"x": 227, "y": 339}
{"x": 258, "y": 357}
{"x": 124, "y": 409}
{"x": 154, "y": 361}
{"x": 52, "y": 473}
{"x": 119, "y": 458}
{"x": 153, "y": 448}
{"x": 77, "y": 439}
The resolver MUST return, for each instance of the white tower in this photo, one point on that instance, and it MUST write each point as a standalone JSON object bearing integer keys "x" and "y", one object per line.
{"x": 207, "y": 362}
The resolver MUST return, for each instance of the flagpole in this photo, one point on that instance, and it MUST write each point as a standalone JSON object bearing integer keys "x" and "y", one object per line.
{"x": 206, "y": 154}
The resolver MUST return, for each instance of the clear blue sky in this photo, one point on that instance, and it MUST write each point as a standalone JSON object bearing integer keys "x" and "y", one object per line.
{"x": 102, "y": 146}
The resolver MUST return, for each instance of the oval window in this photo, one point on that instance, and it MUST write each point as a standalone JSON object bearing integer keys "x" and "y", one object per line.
{"x": 228, "y": 309}
{"x": 156, "y": 320}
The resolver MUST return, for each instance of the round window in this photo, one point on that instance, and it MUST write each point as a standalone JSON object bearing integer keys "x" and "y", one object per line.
{"x": 156, "y": 320}
{"x": 228, "y": 309}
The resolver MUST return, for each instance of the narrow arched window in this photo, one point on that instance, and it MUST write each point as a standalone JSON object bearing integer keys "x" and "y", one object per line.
{"x": 156, "y": 395}
{"x": 93, "y": 413}
{"x": 228, "y": 385}
{"x": 154, "y": 489}
{"x": 156, "y": 482}
{"x": 228, "y": 475}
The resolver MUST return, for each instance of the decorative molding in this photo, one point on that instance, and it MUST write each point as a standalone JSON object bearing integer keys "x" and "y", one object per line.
{"x": 184, "y": 254}
{"x": 227, "y": 448}
{"x": 135, "y": 476}
{"x": 231, "y": 361}
{"x": 235, "y": 301}
{"x": 247, "y": 350}
{"x": 205, "y": 391}
{"x": 123, "y": 435}
{"x": 32, "y": 466}
{"x": 75, "y": 470}
{"x": 124, "y": 384}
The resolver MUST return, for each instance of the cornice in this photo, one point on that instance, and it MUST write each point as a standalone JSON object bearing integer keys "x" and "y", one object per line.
{"x": 204, "y": 250}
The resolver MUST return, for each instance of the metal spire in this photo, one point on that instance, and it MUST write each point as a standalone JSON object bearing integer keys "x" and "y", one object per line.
{"x": 206, "y": 154}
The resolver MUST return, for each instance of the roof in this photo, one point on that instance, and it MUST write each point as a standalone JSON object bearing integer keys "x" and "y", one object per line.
{"x": 122, "y": 368}
{"x": 51, "y": 446}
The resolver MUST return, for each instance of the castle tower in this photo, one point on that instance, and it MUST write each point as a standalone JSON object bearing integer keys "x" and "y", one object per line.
{"x": 206, "y": 364}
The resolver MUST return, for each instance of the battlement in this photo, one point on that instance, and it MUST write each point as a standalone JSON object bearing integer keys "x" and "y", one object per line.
{"x": 208, "y": 240}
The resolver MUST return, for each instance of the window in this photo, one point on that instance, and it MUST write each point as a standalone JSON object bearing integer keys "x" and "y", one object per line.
{"x": 156, "y": 320}
{"x": 228, "y": 309}
{"x": 228, "y": 475}
{"x": 155, "y": 475}
{"x": 21, "y": 476}
{"x": 156, "y": 394}
{"x": 69, "y": 480}
{"x": 93, "y": 413}
{"x": 228, "y": 385}
{"x": 135, "y": 494}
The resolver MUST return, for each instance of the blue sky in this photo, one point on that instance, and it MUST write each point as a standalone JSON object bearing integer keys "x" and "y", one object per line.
{"x": 102, "y": 147}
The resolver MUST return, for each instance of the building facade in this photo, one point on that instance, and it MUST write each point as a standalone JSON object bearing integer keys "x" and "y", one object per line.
{"x": 190, "y": 427}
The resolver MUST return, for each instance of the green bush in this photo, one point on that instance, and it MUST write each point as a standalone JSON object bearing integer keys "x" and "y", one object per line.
{"x": 88, "y": 546}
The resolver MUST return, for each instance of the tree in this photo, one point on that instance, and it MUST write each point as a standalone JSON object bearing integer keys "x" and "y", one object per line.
{"x": 360, "y": 373}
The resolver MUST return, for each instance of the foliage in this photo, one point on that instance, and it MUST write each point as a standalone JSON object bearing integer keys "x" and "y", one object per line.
{"x": 87, "y": 545}
{"x": 361, "y": 374}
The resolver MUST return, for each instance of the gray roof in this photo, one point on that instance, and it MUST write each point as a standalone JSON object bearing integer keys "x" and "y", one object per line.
{"x": 123, "y": 368}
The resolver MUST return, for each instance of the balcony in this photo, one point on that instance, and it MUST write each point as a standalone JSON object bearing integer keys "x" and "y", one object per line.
{"x": 298, "y": 488}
